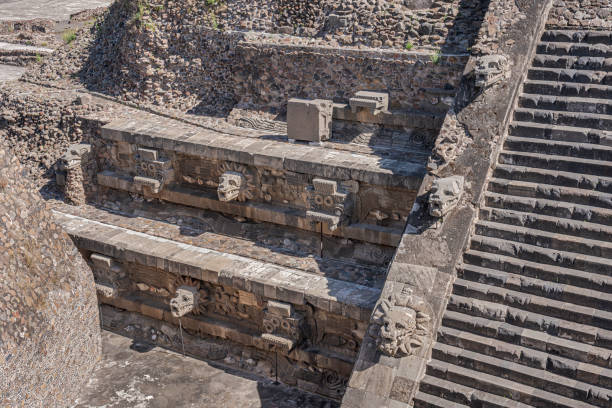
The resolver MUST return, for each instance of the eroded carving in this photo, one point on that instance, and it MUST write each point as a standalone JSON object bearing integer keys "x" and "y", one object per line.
{"x": 236, "y": 183}
{"x": 281, "y": 325}
{"x": 185, "y": 301}
{"x": 108, "y": 274}
{"x": 70, "y": 172}
{"x": 400, "y": 323}
{"x": 451, "y": 141}
{"x": 374, "y": 102}
{"x": 490, "y": 69}
{"x": 445, "y": 195}
{"x": 331, "y": 202}
{"x": 152, "y": 171}
{"x": 189, "y": 297}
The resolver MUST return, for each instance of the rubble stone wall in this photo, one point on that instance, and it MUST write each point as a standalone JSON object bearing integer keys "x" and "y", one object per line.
{"x": 443, "y": 24}
{"x": 581, "y": 14}
{"x": 266, "y": 77}
{"x": 49, "y": 330}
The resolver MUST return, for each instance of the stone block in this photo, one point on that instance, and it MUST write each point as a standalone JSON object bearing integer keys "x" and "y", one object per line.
{"x": 279, "y": 308}
{"x": 309, "y": 120}
{"x": 147, "y": 154}
{"x": 375, "y": 102}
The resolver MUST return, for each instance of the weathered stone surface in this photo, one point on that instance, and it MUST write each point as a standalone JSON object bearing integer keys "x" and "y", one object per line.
{"x": 309, "y": 120}
{"x": 49, "y": 330}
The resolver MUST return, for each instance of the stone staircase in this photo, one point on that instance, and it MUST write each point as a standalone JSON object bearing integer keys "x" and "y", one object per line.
{"x": 529, "y": 322}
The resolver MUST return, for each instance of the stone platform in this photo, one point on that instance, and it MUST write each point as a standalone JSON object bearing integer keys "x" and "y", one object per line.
{"x": 136, "y": 374}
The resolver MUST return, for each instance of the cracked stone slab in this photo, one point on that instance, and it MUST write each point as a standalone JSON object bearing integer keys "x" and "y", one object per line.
{"x": 49, "y": 9}
{"x": 10, "y": 72}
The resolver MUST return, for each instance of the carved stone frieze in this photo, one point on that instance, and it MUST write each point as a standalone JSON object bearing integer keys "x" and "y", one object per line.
{"x": 400, "y": 323}
{"x": 185, "y": 301}
{"x": 490, "y": 69}
{"x": 281, "y": 325}
{"x": 152, "y": 171}
{"x": 236, "y": 183}
{"x": 451, "y": 141}
{"x": 445, "y": 195}
{"x": 331, "y": 202}
{"x": 108, "y": 275}
{"x": 374, "y": 102}
{"x": 188, "y": 297}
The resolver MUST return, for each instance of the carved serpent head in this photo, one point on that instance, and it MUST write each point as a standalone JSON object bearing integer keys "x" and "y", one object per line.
{"x": 231, "y": 184}
{"x": 398, "y": 329}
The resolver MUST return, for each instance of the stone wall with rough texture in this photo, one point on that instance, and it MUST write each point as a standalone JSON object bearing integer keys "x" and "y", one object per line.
{"x": 49, "y": 330}
{"x": 581, "y": 14}
{"x": 171, "y": 56}
{"x": 267, "y": 77}
{"x": 38, "y": 125}
{"x": 446, "y": 24}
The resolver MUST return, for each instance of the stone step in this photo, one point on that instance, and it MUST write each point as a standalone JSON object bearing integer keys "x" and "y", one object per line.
{"x": 560, "y": 133}
{"x": 569, "y": 62}
{"x": 558, "y": 385}
{"x": 584, "y": 37}
{"x": 566, "y": 103}
{"x": 535, "y": 337}
{"x": 318, "y": 161}
{"x": 538, "y": 287}
{"x": 570, "y": 75}
{"x": 532, "y": 253}
{"x": 586, "y": 373}
{"x": 567, "y": 89}
{"x": 545, "y": 239}
{"x": 21, "y": 49}
{"x": 564, "y": 118}
{"x": 501, "y": 386}
{"x": 587, "y": 316}
{"x": 552, "y": 208}
{"x": 570, "y": 282}
{"x": 424, "y": 400}
{"x": 462, "y": 395}
{"x": 561, "y": 328}
{"x": 243, "y": 273}
{"x": 574, "y": 49}
{"x": 551, "y": 192}
{"x": 552, "y": 177}
{"x": 551, "y": 224}
{"x": 558, "y": 163}
{"x": 571, "y": 149}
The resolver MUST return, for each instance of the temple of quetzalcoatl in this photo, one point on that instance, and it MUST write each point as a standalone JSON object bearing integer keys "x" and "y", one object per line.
{"x": 389, "y": 204}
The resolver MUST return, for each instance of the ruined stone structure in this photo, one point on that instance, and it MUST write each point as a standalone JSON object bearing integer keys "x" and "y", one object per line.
{"x": 403, "y": 205}
{"x": 49, "y": 331}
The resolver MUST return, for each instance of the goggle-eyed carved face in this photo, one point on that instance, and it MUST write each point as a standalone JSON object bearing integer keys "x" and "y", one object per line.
{"x": 230, "y": 184}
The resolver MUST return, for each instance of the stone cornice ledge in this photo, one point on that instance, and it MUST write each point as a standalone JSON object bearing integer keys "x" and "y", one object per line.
{"x": 423, "y": 270}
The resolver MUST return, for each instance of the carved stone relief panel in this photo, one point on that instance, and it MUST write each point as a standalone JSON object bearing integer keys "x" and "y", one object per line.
{"x": 109, "y": 275}
{"x": 152, "y": 171}
{"x": 400, "y": 323}
{"x": 282, "y": 326}
{"x": 331, "y": 201}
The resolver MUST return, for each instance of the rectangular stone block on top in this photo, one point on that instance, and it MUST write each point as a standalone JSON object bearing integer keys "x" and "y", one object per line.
{"x": 309, "y": 120}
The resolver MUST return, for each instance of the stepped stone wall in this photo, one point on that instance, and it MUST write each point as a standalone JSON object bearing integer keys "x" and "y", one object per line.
{"x": 424, "y": 264}
{"x": 49, "y": 332}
